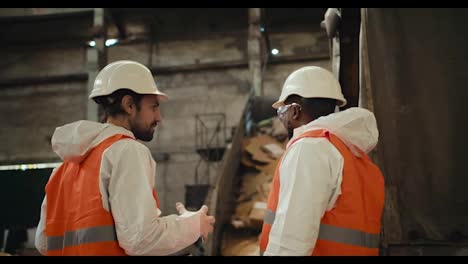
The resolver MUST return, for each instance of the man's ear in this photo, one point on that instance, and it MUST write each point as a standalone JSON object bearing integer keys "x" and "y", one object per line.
{"x": 128, "y": 105}
{"x": 296, "y": 112}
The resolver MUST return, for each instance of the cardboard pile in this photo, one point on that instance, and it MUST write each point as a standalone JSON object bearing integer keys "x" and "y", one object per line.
{"x": 260, "y": 156}
{"x": 240, "y": 243}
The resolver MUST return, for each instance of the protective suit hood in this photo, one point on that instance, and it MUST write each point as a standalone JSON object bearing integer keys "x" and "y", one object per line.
{"x": 356, "y": 127}
{"x": 73, "y": 141}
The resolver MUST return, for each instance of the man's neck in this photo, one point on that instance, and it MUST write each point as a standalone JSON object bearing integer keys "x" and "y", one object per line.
{"x": 305, "y": 120}
{"x": 119, "y": 121}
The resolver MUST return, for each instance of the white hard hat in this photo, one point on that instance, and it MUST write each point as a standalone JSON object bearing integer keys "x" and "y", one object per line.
{"x": 126, "y": 74}
{"x": 311, "y": 82}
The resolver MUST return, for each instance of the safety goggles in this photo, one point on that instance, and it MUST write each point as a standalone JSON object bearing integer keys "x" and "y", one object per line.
{"x": 284, "y": 108}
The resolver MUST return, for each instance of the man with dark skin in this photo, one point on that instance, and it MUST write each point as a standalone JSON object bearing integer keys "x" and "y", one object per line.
{"x": 327, "y": 196}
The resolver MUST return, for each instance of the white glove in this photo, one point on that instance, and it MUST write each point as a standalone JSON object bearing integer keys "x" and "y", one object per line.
{"x": 180, "y": 207}
{"x": 206, "y": 222}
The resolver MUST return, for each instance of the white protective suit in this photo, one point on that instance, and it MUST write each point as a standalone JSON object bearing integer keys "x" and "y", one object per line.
{"x": 127, "y": 176}
{"x": 310, "y": 179}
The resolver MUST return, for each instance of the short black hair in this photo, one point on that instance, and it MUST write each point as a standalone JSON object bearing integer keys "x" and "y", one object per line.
{"x": 112, "y": 103}
{"x": 314, "y": 107}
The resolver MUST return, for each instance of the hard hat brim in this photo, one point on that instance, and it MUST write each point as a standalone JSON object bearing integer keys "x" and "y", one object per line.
{"x": 161, "y": 96}
{"x": 277, "y": 104}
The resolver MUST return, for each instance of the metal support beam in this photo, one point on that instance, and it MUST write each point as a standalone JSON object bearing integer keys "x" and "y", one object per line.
{"x": 266, "y": 43}
{"x": 33, "y": 13}
{"x": 330, "y": 26}
{"x": 254, "y": 47}
{"x": 349, "y": 55}
{"x": 335, "y": 56}
{"x": 37, "y": 80}
{"x": 96, "y": 58}
{"x": 116, "y": 19}
{"x": 26, "y": 82}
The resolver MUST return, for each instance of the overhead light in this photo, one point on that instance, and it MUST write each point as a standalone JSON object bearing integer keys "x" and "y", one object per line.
{"x": 92, "y": 43}
{"x": 274, "y": 51}
{"x": 111, "y": 42}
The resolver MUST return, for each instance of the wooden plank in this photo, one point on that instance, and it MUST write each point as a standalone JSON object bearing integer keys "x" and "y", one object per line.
{"x": 220, "y": 199}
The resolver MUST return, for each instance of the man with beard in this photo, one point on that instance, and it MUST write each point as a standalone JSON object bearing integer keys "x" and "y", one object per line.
{"x": 102, "y": 200}
{"x": 327, "y": 196}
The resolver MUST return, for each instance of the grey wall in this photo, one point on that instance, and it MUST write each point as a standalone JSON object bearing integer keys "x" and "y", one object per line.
{"x": 31, "y": 112}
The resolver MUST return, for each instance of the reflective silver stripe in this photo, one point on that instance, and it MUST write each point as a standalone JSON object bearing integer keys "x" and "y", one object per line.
{"x": 82, "y": 236}
{"x": 269, "y": 217}
{"x": 348, "y": 236}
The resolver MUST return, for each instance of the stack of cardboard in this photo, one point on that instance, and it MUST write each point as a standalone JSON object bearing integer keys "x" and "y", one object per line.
{"x": 260, "y": 156}
{"x": 240, "y": 243}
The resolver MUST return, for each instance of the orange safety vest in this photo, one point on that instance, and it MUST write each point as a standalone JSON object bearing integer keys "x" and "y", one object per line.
{"x": 76, "y": 222}
{"x": 353, "y": 226}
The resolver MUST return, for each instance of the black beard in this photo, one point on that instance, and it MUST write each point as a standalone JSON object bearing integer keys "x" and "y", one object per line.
{"x": 290, "y": 133}
{"x": 143, "y": 135}
{"x": 290, "y": 130}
